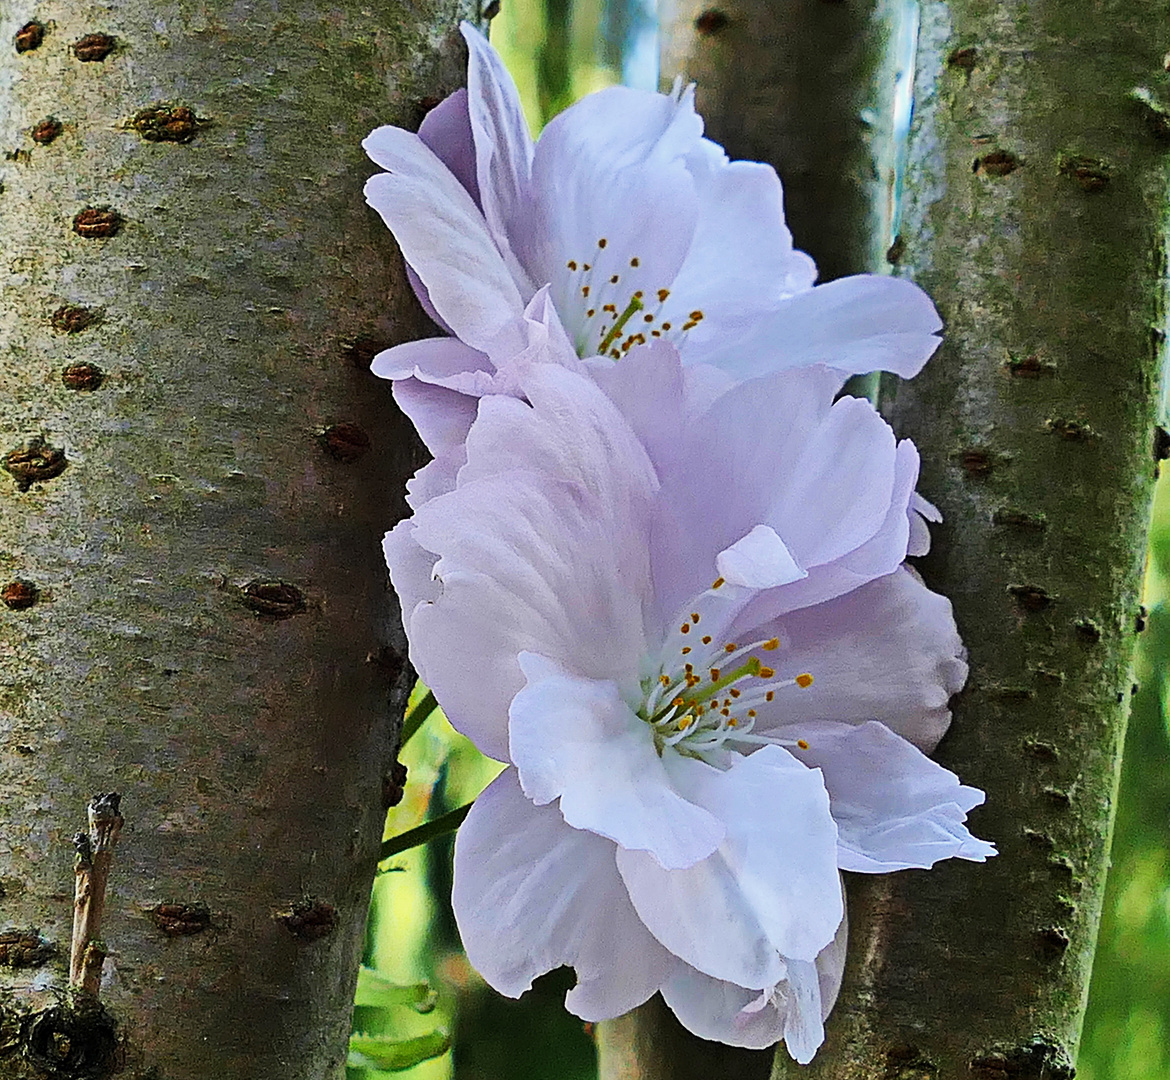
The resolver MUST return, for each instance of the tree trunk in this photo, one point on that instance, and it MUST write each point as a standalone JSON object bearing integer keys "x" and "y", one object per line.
{"x": 199, "y": 469}
{"x": 1035, "y": 208}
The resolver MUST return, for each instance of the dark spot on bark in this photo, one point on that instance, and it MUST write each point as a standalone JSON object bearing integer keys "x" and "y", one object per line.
{"x": 309, "y": 920}
{"x": 964, "y": 59}
{"x": 19, "y": 594}
{"x": 83, "y": 376}
{"x": 1040, "y": 1059}
{"x": 93, "y": 47}
{"x": 29, "y": 37}
{"x": 1062, "y": 866}
{"x": 1088, "y": 631}
{"x": 996, "y": 163}
{"x": 345, "y": 442}
{"x": 1134, "y": 688}
{"x": 1052, "y": 678}
{"x": 1060, "y": 799}
{"x": 25, "y": 751}
{"x": 1161, "y": 443}
{"x": 1031, "y": 597}
{"x": 712, "y": 21}
{"x": 1012, "y": 517}
{"x": 490, "y": 10}
{"x": 1070, "y": 430}
{"x": 34, "y": 462}
{"x": 46, "y": 131}
{"x": 896, "y": 250}
{"x": 78, "y": 1042}
{"x": 361, "y": 350}
{"x": 1042, "y": 751}
{"x": 164, "y": 122}
{"x": 24, "y": 948}
{"x": 1066, "y": 907}
{"x": 21, "y": 157}
{"x": 1040, "y": 839}
{"x": 1030, "y": 367}
{"x": 97, "y": 222}
{"x": 1013, "y": 694}
{"x": 394, "y": 785}
{"x": 181, "y": 920}
{"x": 389, "y": 660}
{"x": 1139, "y": 620}
{"x": 977, "y": 461}
{"x": 273, "y": 600}
{"x": 1090, "y": 174}
{"x": 72, "y": 319}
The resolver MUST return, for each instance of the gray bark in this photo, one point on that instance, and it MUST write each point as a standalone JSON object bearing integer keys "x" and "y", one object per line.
{"x": 199, "y": 472}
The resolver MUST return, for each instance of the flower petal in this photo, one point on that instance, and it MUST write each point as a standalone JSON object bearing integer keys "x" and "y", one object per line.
{"x": 446, "y": 130}
{"x": 576, "y": 740}
{"x": 542, "y": 547}
{"x": 531, "y": 894}
{"x": 442, "y": 417}
{"x": 503, "y": 149}
{"x": 895, "y": 808}
{"x": 443, "y": 236}
{"x": 610, "y": 192}
{"x": 887, "y": 651}
{"x": 759, "y": 560}
{"x": 724, "y": 1012}
{"x": 854, "y": 324}
{"x": 770, "y": 891}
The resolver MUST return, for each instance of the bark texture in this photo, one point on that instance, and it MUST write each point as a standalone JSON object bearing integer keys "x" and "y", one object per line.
{"x": 199, "y": 469}
{"x": 1035, "y": 218}
{"x": 808, "y": 87}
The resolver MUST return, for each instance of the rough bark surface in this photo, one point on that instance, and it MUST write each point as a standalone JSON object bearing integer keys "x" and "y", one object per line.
{"x": 808, "y": 87}
{"x": 199, "y": 469}
{"x": 1035, "y": 218}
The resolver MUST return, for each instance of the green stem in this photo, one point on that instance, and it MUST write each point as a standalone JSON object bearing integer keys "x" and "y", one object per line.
{"x": 417, "y": 717}
{"x": 425, "y": 833}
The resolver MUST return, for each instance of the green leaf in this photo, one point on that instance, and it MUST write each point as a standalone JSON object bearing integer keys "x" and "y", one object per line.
{"x": 440, "y": 826}
{"x": 378, "y": 991}
{"x": 394, "y": 1055}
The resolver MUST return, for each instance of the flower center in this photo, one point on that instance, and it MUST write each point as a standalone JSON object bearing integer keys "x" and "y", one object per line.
{"x": 706, "y": 694}
{"x": 610, "y": 309}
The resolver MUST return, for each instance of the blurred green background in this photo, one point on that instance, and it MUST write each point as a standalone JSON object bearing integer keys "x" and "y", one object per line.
{"x": 559, "y": 50}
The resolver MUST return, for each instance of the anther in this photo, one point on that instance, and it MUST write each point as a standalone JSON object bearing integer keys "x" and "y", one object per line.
{"x": 615, "y": 279}
{"x": 647, "y": 318}
{"x": 685, "y": 628}
{"x": 584, "y": 290}
{"x": 730, "y": 647}
{"x": 635, "y": 261}
{"x": 768, "y": 673}
{"x": 802, "y": 744}
{"x": 707, "y": 639}
{"x": 696, "y": 316}
{"x": 804, "y": 680}
{"x": 666, "y": 326}
{"x": 714, "y": 674}
{"x": 769, "y": 695}
{"x": 602, "y": 242}
{"x": 590, "y": 313}
{"x": 718, "y": 582}
{"x": 770, "y": 645}
{"x": 694, "y": 616}
{"x": 686, "y": 649}
{"x": 572, "y": 264}
{"x": 662, "y": 295}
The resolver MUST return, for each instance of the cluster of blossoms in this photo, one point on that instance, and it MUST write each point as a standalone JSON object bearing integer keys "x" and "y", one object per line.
{"x": 658, "y": 564}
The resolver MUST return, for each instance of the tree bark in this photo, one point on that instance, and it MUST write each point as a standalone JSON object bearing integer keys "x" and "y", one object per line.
{"x": 198, "y": 472}
{"x": 1036, "y": 196}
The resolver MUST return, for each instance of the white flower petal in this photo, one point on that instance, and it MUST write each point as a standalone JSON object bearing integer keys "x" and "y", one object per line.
{"x": 503, "y": 149}
{"x": 895, "y": 808}
{"x": 531, "y": 894}
{"x": 446, "y": 130}
{"x": 770, "y": 891}
{"x": 854, "y": 324}
{"x": 759, "y": 560}
{"x": 442, "y": 417}
{"x": 442, "y": 235}
{"x": 724, "y": 1012}
{"x": 576, "y": 740}
{"x": 888, "y": 651}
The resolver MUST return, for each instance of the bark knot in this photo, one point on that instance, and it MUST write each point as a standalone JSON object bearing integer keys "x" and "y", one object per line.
{"x": 29, "y": 37}
{"x": 93, "y": 47}
{"x": 165, "y": 122}
{"x": 345, "y": 442}
{"x": 309, "y": 920}
{"x": 97, "y": 222}
{"x": 83, "y": 376}
{"x": 47, "y": 130}
{"x": 19, "y": 594}
{"x": 272, "y": 600}
{"x": 34, "y": 462}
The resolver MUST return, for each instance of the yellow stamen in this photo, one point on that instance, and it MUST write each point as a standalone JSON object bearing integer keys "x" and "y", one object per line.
{"x": 804, "y": 680}
{"x": 766, "y": 673}
{"x": 770, "y": 645}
